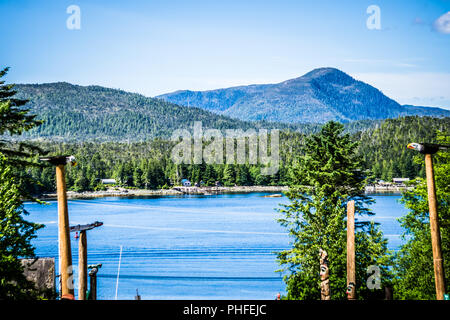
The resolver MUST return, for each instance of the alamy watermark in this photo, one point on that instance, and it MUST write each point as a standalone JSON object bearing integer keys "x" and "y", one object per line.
{"x": 374, "y": 279}
{"x": 236, "y": 147}
{"x": 73, "y": 22}
{"x": 373, "y": 22}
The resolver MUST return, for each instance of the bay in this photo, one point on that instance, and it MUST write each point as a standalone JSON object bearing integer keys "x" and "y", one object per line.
{"x": 187, "y": 247}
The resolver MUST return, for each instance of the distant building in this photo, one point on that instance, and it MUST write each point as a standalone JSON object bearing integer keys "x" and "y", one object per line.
{"x": 400, "y": 180}
{"x": 108, "y": 181}
{"x": 185, "y": 183}
{"x": 383, "y": 183}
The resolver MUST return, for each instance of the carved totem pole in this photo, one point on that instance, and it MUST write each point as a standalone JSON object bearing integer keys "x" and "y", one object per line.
{"x": 324, "y": 275}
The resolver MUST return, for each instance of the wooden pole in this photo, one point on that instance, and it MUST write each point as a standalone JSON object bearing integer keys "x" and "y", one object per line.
{"x": 435, "y": 232}
{"x": 93, "y": 285}
{"x": 351, "y": 264}
{"x": 82, "y": 265}
{"x": 388, "y": 293}
{"x": 65, "y": 254}
{"x": 93, "y": 281}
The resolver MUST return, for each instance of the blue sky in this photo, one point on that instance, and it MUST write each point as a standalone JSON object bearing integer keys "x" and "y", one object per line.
{"x": 155, "y": 47}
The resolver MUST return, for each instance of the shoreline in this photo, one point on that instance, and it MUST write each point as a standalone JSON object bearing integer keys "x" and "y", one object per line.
{"x": 123, "y": 192}
{"x": 180, "y": 191}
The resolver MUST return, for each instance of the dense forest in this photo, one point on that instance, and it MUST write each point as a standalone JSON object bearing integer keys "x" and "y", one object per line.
{"x": 383, "y": 149}
{"x": 74, "y": 113}
{"x": 148, "y": 164}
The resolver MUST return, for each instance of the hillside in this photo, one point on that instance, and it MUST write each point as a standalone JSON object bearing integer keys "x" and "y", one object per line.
{"x": 79, "y": 113}
{"x": 321, "y": 95}
{"x": 148, "y": 165}
{"x": 73, "y": 112}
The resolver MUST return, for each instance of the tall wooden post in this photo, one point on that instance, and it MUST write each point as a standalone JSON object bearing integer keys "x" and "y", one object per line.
{"x": 435, "y": 232}
{"x": 82, "y": 266}
{"x": 351, "y": 264}
{"x": 65, "y": 254}
{"x": 93, "y": 281}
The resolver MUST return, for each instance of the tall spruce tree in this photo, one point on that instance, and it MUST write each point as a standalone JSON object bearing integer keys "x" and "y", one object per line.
{"x": 15, "y": 232}
{"x": 14, "y": 120}
{"x": 323, "y": 181}
{"x": 15, "y": 238}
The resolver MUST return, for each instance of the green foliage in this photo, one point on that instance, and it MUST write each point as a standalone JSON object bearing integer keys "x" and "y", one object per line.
{"x": 74, "y": 113}
{"x": 384, "y": 148}
{"x": 324, "y": 179}
{"x": 15, "y": 238}
{"x": 414, "y": 267}
{"x": 14, "y": 120}
{"x": 148, "y": 164}
{"x": 229, "y": 177}
{"x": 15, "y": 232}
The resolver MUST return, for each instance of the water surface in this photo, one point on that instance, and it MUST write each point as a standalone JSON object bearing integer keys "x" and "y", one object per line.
{"x": 189, "y": 247}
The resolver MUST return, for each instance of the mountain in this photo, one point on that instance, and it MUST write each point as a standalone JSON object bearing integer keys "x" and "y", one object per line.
{"x": 77, "y": 113}
{"x": 93, "y": 112}
{"x": 321, "y": 95}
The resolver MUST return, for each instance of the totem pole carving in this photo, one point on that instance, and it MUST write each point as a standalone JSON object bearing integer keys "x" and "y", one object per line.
{"x": 324, "y": 275}
{"x": 351, "y": 291}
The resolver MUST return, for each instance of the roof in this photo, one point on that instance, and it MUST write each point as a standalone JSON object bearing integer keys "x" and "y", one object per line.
{"x": 400, "y": 179}
{"x": 108, "y": 180}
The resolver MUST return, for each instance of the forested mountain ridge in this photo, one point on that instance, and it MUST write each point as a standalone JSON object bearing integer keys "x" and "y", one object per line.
{"x": 73, "y": 112}
{"x": 79, "y": 113}
{"x": 320, "y": 95}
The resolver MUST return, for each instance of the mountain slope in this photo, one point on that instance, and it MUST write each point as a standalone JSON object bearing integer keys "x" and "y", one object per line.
{"x": 93, "y": 112}
{"x": 321, "y": 95}
{"x": 78, "y": 113}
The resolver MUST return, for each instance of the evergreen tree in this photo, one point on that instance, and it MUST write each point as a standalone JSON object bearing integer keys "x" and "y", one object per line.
{"x": 137, "y": 177}
{"x": 81, "y": 182}
{"x": 14, "y": 120}
{"x": 15, "y": 232}
{"x": 243, "y": 177}
{"x": 209, "y": 177}
{"x": 229, "y": 178}
{"x": 324, "y": 180}
{"x": 15, "y": 238}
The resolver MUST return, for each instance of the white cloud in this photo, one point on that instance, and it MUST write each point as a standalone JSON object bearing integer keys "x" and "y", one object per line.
{"x": 442, "y": 24}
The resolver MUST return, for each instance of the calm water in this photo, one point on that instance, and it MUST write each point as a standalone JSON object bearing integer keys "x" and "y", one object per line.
{"x": 191, "y": 247}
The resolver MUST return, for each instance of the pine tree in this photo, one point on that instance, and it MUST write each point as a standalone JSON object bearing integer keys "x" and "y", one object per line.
{"x": 324, "y": 180}
{"x": 14, "y": 120}
{"x": 210, "y": 176}
{"x": 137, "y": 177}
{"x": 243, "y": 177}
{"x": 229, "y": 178}
{"x": 15, "y": 232}
{"x": 81, "y": 182}
{"x": 15, "y": 238}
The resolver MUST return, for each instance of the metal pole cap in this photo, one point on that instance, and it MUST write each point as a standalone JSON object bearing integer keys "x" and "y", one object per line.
{"x": 60, "y": 160}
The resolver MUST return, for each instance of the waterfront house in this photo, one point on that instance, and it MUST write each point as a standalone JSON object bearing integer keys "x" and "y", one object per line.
{"x": 108, "y": 181}
{"x": 185, "y": 183}
{"x": 400, "y": 181}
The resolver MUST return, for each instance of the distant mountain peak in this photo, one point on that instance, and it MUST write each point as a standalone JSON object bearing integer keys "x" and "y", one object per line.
{"x": 318, "y": 72}
{"x": 320, "y": 95}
